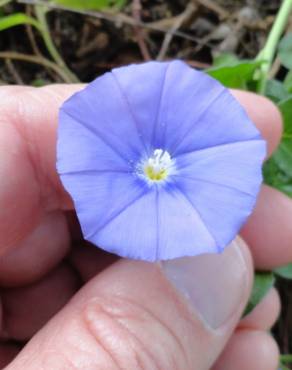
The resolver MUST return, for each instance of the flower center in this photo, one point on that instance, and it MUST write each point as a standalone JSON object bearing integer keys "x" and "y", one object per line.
{"x": 158, "y": 167}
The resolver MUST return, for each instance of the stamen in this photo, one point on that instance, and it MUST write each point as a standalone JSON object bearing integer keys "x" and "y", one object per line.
{"x": 158, "y": 167}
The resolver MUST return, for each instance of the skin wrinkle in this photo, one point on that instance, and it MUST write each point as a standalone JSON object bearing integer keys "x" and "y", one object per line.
{"x": 58, "y": 358}
{"x": 109, "y": 309}
{"x": 144, "y": 348}
{"x": 98, "y": 340}
{"x": 77, "y": 348}
{"x": 158, "y": 320}
{"x": 165, "y": 327}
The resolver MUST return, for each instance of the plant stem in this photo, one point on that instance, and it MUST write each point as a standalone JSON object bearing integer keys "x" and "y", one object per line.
{"x": 38, "y": 60}
{"x": 268, "y": 52}
{"x": 41, "y": 16}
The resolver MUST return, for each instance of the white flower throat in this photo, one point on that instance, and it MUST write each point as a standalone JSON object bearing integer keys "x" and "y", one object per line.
{"x": 158, "y": 167}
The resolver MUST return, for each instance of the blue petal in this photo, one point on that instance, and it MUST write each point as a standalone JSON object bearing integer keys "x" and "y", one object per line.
{"x": 103, "y": 109}
{"x": 100, "y": 197}
{"x": 187, "y": 95}
{"x": 217, "y": 206}
{"x": 181, "y": 231}
{"x": 79, "y": 149}
{"x": 196, "y": 111}
{"x": 235, "y": 165}
{"x": 143, "y": 87}
{"x": 224, "y": 122}
{"x": 132, "y": 233}
{"x": 157, "y": 226}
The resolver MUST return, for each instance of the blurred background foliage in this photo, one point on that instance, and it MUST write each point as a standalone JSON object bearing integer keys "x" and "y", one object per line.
{"x": 57, "y": 41}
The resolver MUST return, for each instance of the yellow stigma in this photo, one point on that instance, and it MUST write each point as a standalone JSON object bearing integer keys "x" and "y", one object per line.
{"x": 157, "y": 167}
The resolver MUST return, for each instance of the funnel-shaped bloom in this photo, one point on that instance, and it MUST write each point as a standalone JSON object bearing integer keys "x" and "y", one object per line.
{"x": 160, "y": 160}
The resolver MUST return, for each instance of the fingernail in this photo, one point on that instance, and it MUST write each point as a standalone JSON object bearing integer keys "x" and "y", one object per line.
{"x": 212, "y": 283}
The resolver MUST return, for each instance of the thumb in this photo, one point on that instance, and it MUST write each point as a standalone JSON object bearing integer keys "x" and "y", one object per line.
{"x": 135, "y": 315}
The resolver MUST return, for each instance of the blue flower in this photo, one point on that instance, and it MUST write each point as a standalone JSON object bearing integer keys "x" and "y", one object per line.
{"x": 160, "y": 160}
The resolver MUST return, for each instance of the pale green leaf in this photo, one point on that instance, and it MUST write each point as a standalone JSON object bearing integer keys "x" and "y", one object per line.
{"x": 263, "y": 282}
{"x": 17, "y": 19}
{"x": 285, "y": 50}
{"x": 284, "y": 271}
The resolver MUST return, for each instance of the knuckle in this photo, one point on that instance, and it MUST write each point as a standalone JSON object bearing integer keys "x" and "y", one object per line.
{"x": 132, "y": 336}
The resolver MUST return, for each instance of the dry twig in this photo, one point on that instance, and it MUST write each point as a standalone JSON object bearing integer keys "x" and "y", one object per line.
{"x": 37, "y": 60}
{"x": 13, "y": 71}
{"x": 211, "y": 5}
{"x": 179, "y": 21}
{"x": 117, "y": 18}
{"x": 140, "y": 35}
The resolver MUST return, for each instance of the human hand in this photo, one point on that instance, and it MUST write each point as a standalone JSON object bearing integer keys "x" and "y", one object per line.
{"x": 133, "y": 314}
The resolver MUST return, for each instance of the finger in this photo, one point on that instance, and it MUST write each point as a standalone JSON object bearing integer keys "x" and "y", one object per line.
{"x": 7, "y": 353}
{"x": 74, "y": 227}
{"x": 190, "y": 306}
{"x": 252, "y": 350}
{"x": 27, "y": 153}
{"x": 265, "y": 314}
{"x": 36, "y": 255}
{"x": 265, "y": 114}
{"x": 89, "y": 260}
{"x": 27, "y": 160}
{"x": 27, "y": 309}
{"x": 268, "y": 231}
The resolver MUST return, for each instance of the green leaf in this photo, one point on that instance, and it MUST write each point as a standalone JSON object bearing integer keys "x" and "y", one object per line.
{"x": 17, "y": 19}
{"x": 235, "y": 75}
{"x": 39, "y": 82}
{"x": 276, "y": 91}
{"x": 285, "y": 359}
{"x": 285, "y": 51}
{"x": 283, "y": 367}
{"x": 91, "y": 4}
{"x": 285, "y": 272}
{"x": 283, "y": 156}
{"x": 224, "y": 59}
{"x": 263, "y": 282}
{"x": 285, "y": 107}
{"x": 276, "y": 177}
{"x": 288, "y": 82}
{"x": 286, "y": 188}
{"x": 271, "y": 172}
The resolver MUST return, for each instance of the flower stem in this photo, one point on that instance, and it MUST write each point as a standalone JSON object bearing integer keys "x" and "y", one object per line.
{"x": 41, "y": 11}
{"x": 267, "y": 53}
